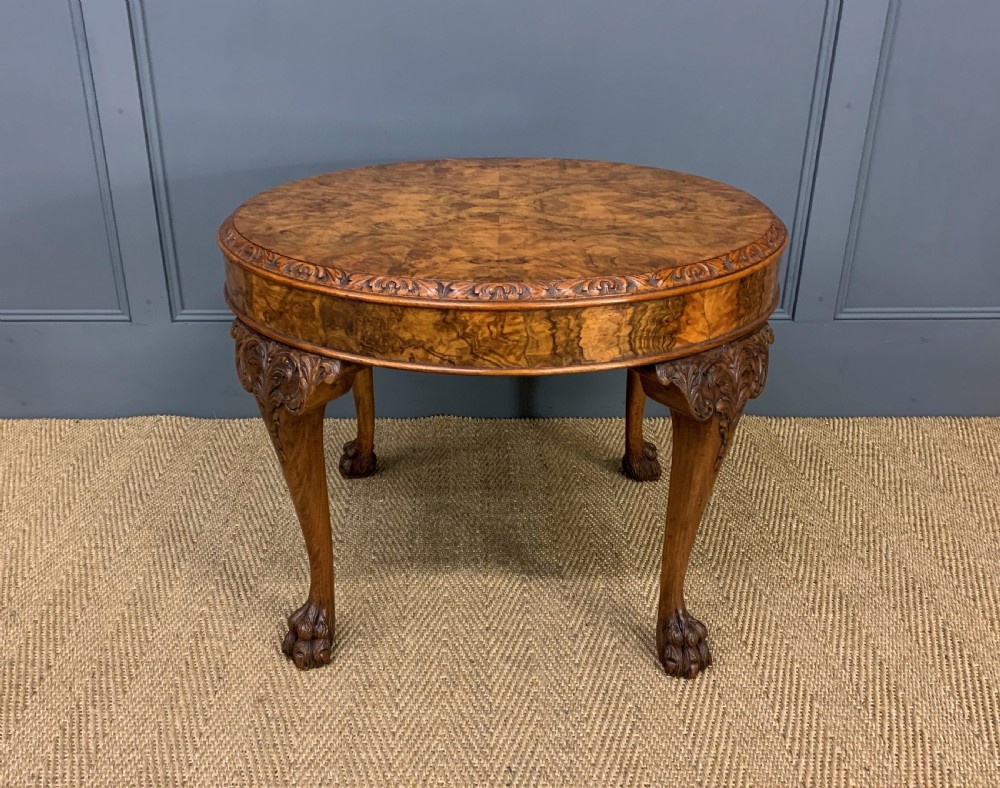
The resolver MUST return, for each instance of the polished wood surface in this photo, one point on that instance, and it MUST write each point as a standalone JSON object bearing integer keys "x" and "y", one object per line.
{"x": 503, "y": 342}
{"x": 640, "y": 461}
{"x": 292, "y": 389}
{"x": 706, "y": 394}
{"x": 504, "y": 267}
{"x": 358, "y": 459}
{"x": 486, "y": 230}
{"x": 519, "y": 266}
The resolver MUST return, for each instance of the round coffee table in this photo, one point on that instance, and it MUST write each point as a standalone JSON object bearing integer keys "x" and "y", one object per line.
{"x": 504, "y": 267}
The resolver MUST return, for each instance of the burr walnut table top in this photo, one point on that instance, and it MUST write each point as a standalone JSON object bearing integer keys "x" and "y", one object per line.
{"x": 503, "y": 266}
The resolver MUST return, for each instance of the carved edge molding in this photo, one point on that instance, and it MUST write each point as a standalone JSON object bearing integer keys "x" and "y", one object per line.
{"x": 281, "y": 377}
{"x": 720, "y": 382}
{"x": 243, "y": 250}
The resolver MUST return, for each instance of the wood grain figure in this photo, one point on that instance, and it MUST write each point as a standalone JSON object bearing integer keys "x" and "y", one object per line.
{"x": 504, "y": 267}
{"x": 706, "y": 394}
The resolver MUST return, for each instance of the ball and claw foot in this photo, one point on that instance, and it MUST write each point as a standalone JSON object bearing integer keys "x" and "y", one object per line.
{"x": 682, "y": 645}
{"x": 645, "y": 468}
{"x": 309, "y": 642}
{"x": 354, "y": 464}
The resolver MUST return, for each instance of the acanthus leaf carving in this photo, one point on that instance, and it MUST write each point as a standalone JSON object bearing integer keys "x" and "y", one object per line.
{"x": 280, "y": 377}
{"x": 491, "y": 291}
{"x": 720, "y": 382}
{"x": 245, "y": 251}
{"x": 384, "y": 284}
{"x": 601, "y": 285}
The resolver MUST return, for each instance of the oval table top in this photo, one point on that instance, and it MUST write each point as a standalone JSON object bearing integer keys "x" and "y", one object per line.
{"x": 505, "y": 229}
{"x": 317, "y": 262}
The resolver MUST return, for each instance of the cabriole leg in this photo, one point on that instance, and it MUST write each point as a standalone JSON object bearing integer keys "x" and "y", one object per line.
{"x": 640, "y": 462}
{"x": 706, "y": 394}
{"x": 292, "y": 388}
{"x": 359, "y": 458}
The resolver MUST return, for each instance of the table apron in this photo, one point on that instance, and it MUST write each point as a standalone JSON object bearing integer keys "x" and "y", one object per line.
{"x": 501, "y": 342}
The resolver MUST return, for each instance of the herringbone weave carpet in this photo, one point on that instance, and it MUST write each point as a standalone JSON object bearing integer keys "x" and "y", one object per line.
{"x": 496, "y": 586}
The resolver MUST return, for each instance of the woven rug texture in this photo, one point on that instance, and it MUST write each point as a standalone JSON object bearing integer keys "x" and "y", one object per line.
{"x": 496, "y": 586}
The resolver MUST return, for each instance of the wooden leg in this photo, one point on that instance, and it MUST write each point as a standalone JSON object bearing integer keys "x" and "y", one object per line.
{"x": 292, "y": 388}
{"x": 359, "y": 458}
{"x": 309, "y": 639}
{"x": 640, "y": 462}
{"x": 706, "y": 394}
{"x": 681, "y": 640}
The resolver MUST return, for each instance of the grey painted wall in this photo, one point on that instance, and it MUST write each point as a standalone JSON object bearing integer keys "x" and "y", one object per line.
{"x": 132, "y": 129}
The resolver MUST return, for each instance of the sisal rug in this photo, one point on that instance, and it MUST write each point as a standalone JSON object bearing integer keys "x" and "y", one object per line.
{"x": 496, "y": 587}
